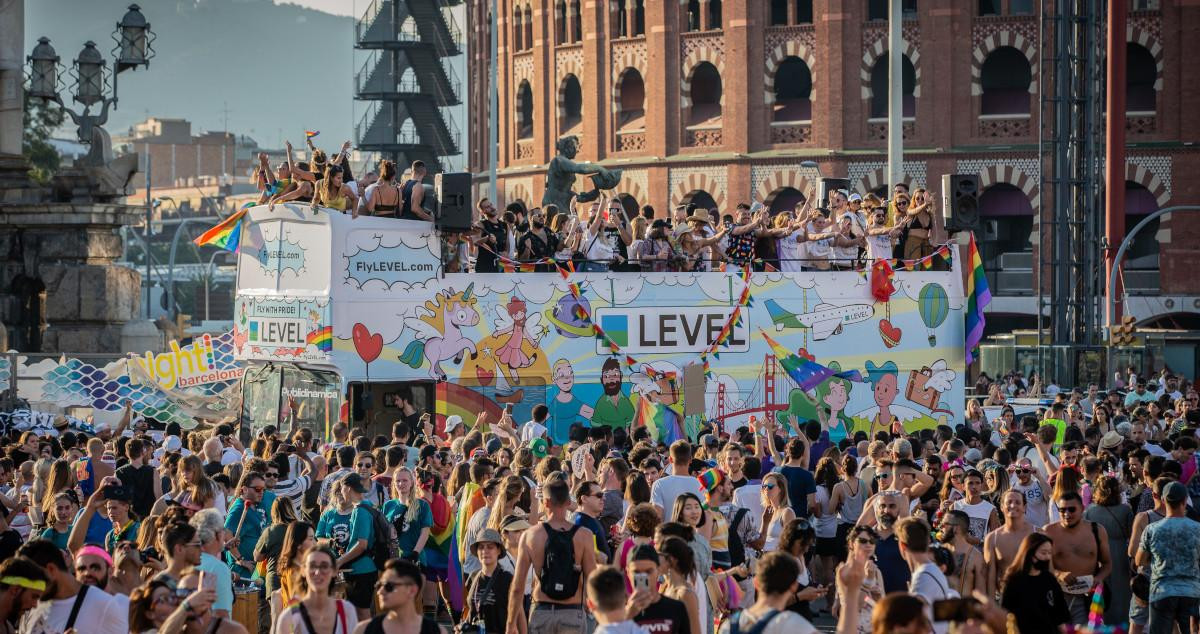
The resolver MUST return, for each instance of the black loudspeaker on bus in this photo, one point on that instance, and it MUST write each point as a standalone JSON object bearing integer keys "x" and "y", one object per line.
{"x": 453, "y": 192}
{"x": 960, "y": 201}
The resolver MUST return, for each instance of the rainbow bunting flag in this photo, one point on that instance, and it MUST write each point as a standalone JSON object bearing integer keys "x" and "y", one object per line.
{"x": 807, "y": 374}
{"x": 308, "y": 134}
{"x": 322, "y": 339}
{"x": 227, "y": 234}
{"x": 978, "y": 297}
{"x": 442, "y": 559}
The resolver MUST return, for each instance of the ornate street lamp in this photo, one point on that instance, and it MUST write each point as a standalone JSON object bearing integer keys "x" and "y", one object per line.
{"x": 90, "y": 70}
{"x": 43, "y": 70}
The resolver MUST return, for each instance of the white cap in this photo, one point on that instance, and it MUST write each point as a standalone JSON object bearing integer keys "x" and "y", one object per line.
{"x": 172, "y": 444}
{"x": 452, "y": 421}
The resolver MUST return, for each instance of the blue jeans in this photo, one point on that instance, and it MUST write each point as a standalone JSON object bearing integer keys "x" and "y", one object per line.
{"x": 1166, "y": 613}
{"x": 593, "y": 267}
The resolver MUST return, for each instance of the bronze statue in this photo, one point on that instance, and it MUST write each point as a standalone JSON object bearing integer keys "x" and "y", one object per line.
{"x": 560, "y": 176}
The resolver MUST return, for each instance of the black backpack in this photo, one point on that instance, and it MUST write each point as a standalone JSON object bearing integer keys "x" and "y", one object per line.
{"x": 737, "y": 550}
{"x": 559, "y": 576}
{"x": 384, "y": 547}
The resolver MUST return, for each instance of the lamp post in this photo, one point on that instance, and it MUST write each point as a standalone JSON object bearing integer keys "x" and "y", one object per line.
{"x": 90, "y": 70}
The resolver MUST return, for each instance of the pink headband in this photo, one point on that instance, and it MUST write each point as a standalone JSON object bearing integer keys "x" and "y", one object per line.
{"x": 97, "y": 551}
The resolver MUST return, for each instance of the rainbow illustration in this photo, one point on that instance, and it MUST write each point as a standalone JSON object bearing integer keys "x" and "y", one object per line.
{"x": 661, "y": 421}
{"x": 806, "y": 373}
{"x": 322, "y": 339}
{"x": 227, "y": 234}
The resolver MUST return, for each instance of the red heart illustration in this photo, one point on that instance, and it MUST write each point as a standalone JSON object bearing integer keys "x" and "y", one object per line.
{"x": 484, "y": 376}
{"x": 889, "y": 333}
{"x": 368, "y": 345}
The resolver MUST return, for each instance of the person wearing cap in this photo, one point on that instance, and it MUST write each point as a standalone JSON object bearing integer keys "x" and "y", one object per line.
{"x": 487, "y": 589}
{"x": 655, "y": 252}
{"x": 695, "y": 243}
{"x": 1081, "y": 555}
{"x": 1170, "y": 548}
{"x": 717, "y": 492}
{"x": 648, "y": 607}
{"x": 454, "y": 428}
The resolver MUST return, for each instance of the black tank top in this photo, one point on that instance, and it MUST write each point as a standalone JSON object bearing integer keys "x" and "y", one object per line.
{"x": 406, "y": 200}
{"x": 375, "y": 625}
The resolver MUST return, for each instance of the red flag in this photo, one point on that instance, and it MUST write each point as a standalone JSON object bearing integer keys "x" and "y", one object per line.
{"x": 881, "y": 281}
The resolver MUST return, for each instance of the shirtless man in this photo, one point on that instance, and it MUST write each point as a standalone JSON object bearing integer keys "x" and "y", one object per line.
{"x": 968, "y": 561}
{"x": 901, "y": 475}
{"x": 550, "y": 615}
{"x": 1081, "y": 558}
{"x": 1000, "y": 546}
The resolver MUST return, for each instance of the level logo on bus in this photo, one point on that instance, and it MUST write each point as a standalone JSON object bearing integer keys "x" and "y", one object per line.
{"x": 670, "y": 329}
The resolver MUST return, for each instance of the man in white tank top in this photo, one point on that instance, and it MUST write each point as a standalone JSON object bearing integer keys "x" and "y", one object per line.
{"x": 982, "y": 513}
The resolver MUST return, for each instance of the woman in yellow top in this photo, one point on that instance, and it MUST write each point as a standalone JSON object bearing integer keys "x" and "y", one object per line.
{"x": 296, "y": 542}
{"x": 331, "y": 192}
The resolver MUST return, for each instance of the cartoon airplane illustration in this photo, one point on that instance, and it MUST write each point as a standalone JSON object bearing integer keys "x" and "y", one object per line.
{"x": 824, "y": 320}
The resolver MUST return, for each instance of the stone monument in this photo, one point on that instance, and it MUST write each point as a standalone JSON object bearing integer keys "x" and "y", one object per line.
{"x": 560, "y": 176}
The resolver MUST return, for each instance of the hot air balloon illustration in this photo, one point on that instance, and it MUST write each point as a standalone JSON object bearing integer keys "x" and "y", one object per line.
{"x": 934, "y": 306}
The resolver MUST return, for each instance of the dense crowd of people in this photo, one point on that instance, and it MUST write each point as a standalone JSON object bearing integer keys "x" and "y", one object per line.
{"x": 1010, "y": 522}
{"x": 843, "y": 232}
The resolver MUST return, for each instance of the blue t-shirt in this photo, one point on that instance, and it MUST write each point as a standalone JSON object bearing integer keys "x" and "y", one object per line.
{"x": 59, "y": 539}
{"x": 1174, "y": 547}
{"x": 335, "y": 526}
{"x": 800, "y": 484}
{"x": 593, "y": 524}
{"x": 224, "y": 581}
{"x": 97, "y": 529}
{"x": 408, "y": 532}
{"x": 892, "y": 567}
{"x": 252, "y": 529}
{"x": 361, "y": 528}
{"x": 562, "y": 416}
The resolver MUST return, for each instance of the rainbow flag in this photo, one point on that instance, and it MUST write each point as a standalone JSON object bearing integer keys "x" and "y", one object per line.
{"x": 807, "y": 374}
{"x": 322, "y": 339}
{"x": 978, "y": 297}
{"x": 227, "y": 234}
{"x": 308, "y": 134}
{"x": 441, "y": 553}
{"x": 660, "y": 421}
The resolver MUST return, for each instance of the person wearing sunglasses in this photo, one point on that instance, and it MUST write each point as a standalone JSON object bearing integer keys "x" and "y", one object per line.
{"x": 1081, "y": 555}
{"x": 317, "y": 610}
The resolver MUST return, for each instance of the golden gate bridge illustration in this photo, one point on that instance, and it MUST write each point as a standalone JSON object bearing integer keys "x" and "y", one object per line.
{"x": 766, "y": 397}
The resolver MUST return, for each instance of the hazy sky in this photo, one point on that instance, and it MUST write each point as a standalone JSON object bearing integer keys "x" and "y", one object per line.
{"x": 340, "y": 7}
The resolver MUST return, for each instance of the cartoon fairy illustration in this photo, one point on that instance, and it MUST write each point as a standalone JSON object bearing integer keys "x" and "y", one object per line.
{"x": 438, "y": 331}
{"x": 512, "y": 320}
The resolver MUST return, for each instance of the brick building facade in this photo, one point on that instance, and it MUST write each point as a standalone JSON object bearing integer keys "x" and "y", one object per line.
{"x": 179, "y": 158}
{"x": 704, "y": 100}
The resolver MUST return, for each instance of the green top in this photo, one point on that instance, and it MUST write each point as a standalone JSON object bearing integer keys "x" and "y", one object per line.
{"x": 605, "y": 414}
{"x": 360, "y": 528}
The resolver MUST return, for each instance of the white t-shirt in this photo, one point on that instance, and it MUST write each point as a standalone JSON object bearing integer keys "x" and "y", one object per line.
{"x": 749, "y": 496}
{"x": 784, "y": 622}
{"x": 979, "y": 514}
{"x": 930, "y": 584}
{"x": 1036, "y": 502}
{"x": 290, "y": 621}
{"x": 598, "y": 248}
{"x": 229, "y": 456}
{"x": 624, "y": 627}
{"x": 791, "y": 252}
{"x": 531, "y": 430}
{"x": 667, "y": 488}
{"x": 879, "y": 247}
{"x": 99, "y": 614}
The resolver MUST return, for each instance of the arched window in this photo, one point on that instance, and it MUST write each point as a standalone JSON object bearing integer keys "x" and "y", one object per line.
{"x": 1140, "y": 75}
{"x": 701, "y": 199}
{"x": 518, "y": 31}
{"x": 878, "y": 9}
{"x": 705, "y": 94}
{"x": 524, "y": 111}
{"x": 576, "y": 22}
{"x": 693, "y": 16}
{"x": 622, "y": 19}
{"x": 1142, "y": 255}
{"x": 879, "y": 88}
{"x": 528, "y": 27}
{"x": 1005, "y": 76}
{"x": 570, "y": 105}
{"x": 793, "y": 87}
{"x": 714, "y": 14}
{"x": 631, "y": 107}
{"x": 785, "y": 200}
{"x": 560, "y": 22}
{"x": 639, "y": 17}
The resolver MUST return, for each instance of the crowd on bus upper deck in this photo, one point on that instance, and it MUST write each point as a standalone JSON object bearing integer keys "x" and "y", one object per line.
{"x": 846, "y": 232}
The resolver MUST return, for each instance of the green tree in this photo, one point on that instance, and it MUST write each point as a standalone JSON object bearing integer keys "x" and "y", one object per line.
{"x": 42, "y": 118}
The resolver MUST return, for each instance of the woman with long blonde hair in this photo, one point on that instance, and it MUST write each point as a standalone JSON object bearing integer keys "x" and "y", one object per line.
{"x": 509, "y": 494}
{"x": 409, "y": 513}
{"x": 61, "y": 478}
{"x": 37, "y": 493}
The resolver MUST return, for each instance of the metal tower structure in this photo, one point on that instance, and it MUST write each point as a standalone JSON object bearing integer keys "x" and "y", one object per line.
{"x": 1070, "y": 272}
{"x": 406, "y": 82}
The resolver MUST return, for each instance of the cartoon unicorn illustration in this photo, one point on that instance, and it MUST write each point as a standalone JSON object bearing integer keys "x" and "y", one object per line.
{"x": 512, "y": 320}
{"x": 438, "y": 331}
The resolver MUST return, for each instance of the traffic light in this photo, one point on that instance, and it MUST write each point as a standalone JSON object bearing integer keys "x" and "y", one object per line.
{"x": 1124, "y": 334}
